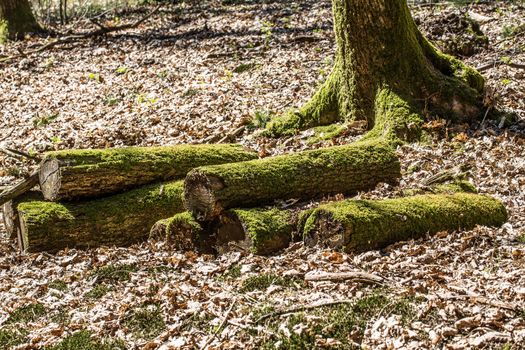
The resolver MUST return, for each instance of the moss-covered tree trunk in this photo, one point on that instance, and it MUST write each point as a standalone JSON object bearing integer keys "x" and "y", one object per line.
{"x": 388, "y": 74}
{"x": 342, "y": 169}
{"x": 358, "y": 225}
{"x": 16, "y": 19}
{"x": 119, "y": 220}
{"x": 91, "y": 173}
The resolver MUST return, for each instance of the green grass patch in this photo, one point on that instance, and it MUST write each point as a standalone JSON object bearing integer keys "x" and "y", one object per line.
{"x": 62, "y": 317}
{"x": 114, "y": 273}
{"x": 84, "y": 340}
{"x": 27, "y": 313}
{"x": 98, "y": 291}
{"x": 58, "y": 285}
{"x": 262, "y": 282}
{"x": 145, "y": 322}
{"x": 12, "y": 337}
{"x": 233, "y": 272}
{"x": 521, "y": 238}
{"x": 338, "y": 322}
{"x": 244, "y": 67}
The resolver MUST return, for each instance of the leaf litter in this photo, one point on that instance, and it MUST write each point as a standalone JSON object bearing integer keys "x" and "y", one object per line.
{"x": 203, "y": 69}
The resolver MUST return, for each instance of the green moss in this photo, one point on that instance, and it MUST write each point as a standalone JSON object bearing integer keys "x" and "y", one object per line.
{"x": 185, "y": 219}
{"x": 58, "y": 285}
{"x": 120, "y": 219}
{"x": 175, "y": 161}
{"x": 263, "y": 281}
{"x": 521, "y": 238}
{"x": 233, "y": 272}
{"x": 27, "y": 313}
{"x": 98, "y": 291}
{"x": 10, "y": 338}
{"x": 328, "y": 132}
{"x": 4, "y": 33}
{"x": 145, "y": 322}
{"x": 84, "y": 340}
{"x": 372, "y": 224}
{"x": 114, "y": 273}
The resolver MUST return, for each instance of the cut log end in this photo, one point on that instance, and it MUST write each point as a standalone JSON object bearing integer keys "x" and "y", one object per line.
{"x": 50, "y": 179}
{"x": 231, "y": 235}
{"x": 199, "y": 195}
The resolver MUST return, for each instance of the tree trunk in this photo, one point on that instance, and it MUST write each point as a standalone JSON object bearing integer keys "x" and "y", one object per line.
{"x": 359, "y": 225}
{"x": 341, "y": 169}
{"x": 119, "y": 220}
{"x": 77, "y": 174}
{"x": 16, "y": 19}
{"x": 259, "y": 231}
{"x": 388, "y": 74}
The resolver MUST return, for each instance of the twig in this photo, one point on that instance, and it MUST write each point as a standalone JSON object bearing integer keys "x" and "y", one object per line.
{"x": 234, "y": 133}
{"x": 19, "y": 189}
{"x": 68, "y": 39}
{"x": 18, "y": 154}
{"x": 495, "y": 63}
{"x": 302, "y": 308}
{"x": 357, "y": 276}
{"x": 226, "y": 317}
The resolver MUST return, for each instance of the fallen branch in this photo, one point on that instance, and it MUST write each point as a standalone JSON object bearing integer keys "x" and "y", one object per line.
{"x": 299, "y": 308}
{"x": 19, "y": 189}
{"x": 356, "y": 276}
{"x": 68, "y": 39}
{"x": 226, "y": 317}
{"x": 18, "y": 154}
{"x": 495, "y": 63}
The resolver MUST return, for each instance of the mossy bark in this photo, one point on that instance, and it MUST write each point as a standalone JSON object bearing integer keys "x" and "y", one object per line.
{"x": 77, "y": 174}
{"x": 341, "y": 169}
{"x": 388, "y": 74}
{"x": 359, "y": 225}
{"x": 260, "y": 231}
{"x": 16, "y": 19}
{"x": 119, "y": 220}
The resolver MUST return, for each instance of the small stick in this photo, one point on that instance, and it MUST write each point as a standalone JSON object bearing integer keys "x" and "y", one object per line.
{"x": 495, "y": 63}
{"x": 19, "y": 189}
{"x": 357, "y": 276}
{"x": 226, "y": 317}
{"x": 18, "y": 154}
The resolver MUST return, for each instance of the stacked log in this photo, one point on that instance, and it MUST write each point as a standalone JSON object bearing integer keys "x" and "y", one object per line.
{"x": 304, "y": 175}
{"x": 80, "y": 174}
{"x": 359, "y": 225}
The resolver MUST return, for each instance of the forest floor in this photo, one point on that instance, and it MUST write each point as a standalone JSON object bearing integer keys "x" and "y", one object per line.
{"x": 194, "y": 73}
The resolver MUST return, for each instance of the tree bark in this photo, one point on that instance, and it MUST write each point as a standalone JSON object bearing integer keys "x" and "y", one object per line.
{"x": 119, "y": 220}
{"x": 80, "y": 174}
{"x": 342, "y": 169}
{"x": 17, "y": 19}
{"x": 360, "y": 225}
{"x": 388, "y": 74}
{"x": 10, "y": 212}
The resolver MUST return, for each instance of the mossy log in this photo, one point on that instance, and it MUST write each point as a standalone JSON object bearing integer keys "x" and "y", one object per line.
{"x": 79, "y": 174}
{"x": 259, "y": 231}
{"x": 181, "y": 231}
{"x": 119, "y": 220}
{"x": 10, "y": 212}
{"x": 341, "y": 169}
{"x": 359, "y": 225}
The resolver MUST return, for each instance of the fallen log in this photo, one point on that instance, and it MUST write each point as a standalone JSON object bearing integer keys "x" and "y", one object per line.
{"x": 259, "y": 231}
{"x": 80, "y": 174}
{"x": 181, "y": 231}
{"x": 10, "y": 212}
{"x": 360, "y": 225}
{"x": 119, "y": 220}
{"x": 341, "y": 169}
